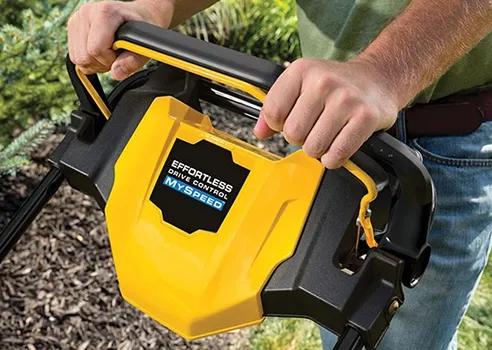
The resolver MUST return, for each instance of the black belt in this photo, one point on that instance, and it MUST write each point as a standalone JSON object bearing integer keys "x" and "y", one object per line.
{"x": 448, "y": 116}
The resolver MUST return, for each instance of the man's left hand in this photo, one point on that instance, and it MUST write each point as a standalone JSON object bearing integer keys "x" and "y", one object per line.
{"x": 328, "y": 108}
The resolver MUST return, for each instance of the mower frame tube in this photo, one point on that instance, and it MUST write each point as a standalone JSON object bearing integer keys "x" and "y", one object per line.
{"x": 29, "y": 210}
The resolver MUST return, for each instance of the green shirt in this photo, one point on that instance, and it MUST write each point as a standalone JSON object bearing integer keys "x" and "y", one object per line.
{"x": 338, "y": 29}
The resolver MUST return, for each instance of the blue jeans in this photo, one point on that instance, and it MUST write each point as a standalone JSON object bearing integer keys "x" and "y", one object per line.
{"x": 461, "y": 168}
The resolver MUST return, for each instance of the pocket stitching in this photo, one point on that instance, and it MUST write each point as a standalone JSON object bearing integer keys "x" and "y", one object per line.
{"x": 459, "y": 162}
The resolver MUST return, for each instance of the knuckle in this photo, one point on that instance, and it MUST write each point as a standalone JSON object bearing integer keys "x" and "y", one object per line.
{"x": 86, "y": 8}
{"x": 106, "y": 8}
{"x": 338, "y": 153}
{"x": 133, "y": 63}
{"x": 300, "y": 64}
{"x": 82, "y": 60}
{"x": 314, "y": 148}
{"x": 345, "y": 96}
{"x": 71, "y": 21}
{"x": 271, "y": 112}
{"x": 293, "y": 134}
{"x": 324, "y": 81}
{"x": 329, "y": 163}
{"x": 366, "y": 116}
{"x": 93, "y": 50}
{"x": 87, "y": 70}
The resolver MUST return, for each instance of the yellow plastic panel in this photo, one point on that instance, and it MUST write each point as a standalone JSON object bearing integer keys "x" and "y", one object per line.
{"x": 204, "y": 283}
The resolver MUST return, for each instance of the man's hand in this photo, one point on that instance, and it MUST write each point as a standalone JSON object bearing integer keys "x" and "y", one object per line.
{"x": 328, "y": 108}
{"x": 332, "y": 108}
{"x": 91, "y": 34}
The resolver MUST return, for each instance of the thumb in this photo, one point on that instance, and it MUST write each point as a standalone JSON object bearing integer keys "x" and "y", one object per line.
{"x": 126, "y": 64}
{"x": 262, "y": 130}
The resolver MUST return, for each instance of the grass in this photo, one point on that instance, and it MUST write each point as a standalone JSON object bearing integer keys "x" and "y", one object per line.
{"x": 476, "y": 328}
{"x": 285, "y": 334}
{"x": 288, "y": 334}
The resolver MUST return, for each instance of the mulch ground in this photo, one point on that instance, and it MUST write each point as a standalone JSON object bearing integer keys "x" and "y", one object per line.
{"x": 58, "y": 288}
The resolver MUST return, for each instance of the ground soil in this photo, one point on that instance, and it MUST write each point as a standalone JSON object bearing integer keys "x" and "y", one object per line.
{"x": 58, "y": 288}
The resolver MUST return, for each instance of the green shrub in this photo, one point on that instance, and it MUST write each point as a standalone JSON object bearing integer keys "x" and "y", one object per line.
{"x": 266, "y": 29}
{"x": 33, "y": 82}
{"x": 34, "y": 85}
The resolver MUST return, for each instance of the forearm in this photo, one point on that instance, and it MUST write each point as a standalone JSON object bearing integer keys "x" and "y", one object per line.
{"x": 174, "y": 12}
{"x": 424, "y": 41}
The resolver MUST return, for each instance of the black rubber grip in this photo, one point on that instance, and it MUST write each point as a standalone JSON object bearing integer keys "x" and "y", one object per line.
{"x": 259, "y": 72}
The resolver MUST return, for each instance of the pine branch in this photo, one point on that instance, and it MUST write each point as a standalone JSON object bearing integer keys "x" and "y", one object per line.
{"x": 16, "y": 154}
{"x": 17, "y": 40}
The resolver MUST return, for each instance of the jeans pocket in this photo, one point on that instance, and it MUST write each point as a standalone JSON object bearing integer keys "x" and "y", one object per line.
{"x": 474, "y": 150}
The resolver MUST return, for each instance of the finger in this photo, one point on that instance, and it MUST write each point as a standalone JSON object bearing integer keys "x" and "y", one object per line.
{"x": 78, "y": 29}
{"x": 71, "y": 37}
{"x": 262, "y": 130}
{"x": 323, "y": 133}
{"x": 77, "y": 40}
{"x": 303, "y": 117}
{"x": 339, "y": 108}
{"x": 126, "y": 64}
{"x": 281, "y": 98}
{"x": 104, "y": 23}
{"x": 346, "y": 143}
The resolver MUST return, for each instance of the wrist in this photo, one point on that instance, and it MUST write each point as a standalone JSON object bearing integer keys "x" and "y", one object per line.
{"x": 390, "y": 80}
{"x": 162, "y": 11}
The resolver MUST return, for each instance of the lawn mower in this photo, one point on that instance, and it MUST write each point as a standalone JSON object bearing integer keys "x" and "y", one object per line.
{"x": 210, "y": 233}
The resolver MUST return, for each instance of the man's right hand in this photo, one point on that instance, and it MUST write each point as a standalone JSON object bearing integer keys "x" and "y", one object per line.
{"x": 91, "y": 32}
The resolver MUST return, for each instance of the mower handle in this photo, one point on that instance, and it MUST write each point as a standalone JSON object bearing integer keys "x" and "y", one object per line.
{"x": 237, "y": 70}
{"x": 253, "y": 70}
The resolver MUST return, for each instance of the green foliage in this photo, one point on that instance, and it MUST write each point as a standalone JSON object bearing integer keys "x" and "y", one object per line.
{"x": 285, "y": 334}
{"x": 34, "y": 85}
{"x": 266, "y": 29}
{"x": 11, "y": 10}
{"x": 33, "y": 82}
{"x": 16, "y": 154}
